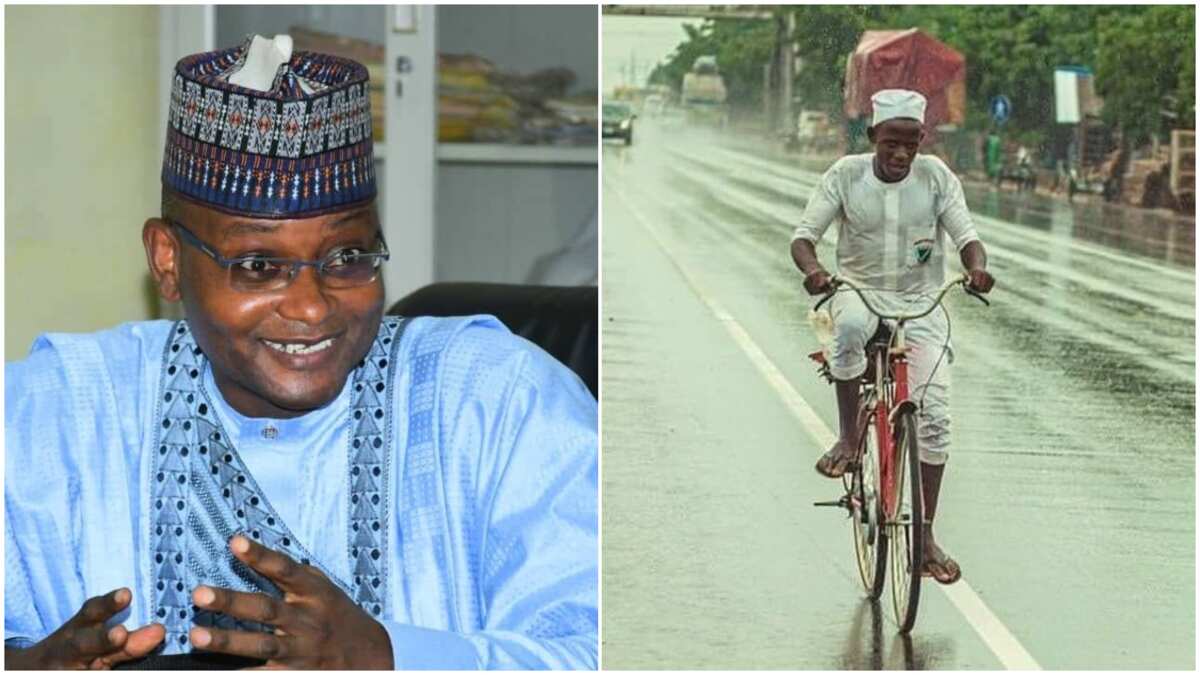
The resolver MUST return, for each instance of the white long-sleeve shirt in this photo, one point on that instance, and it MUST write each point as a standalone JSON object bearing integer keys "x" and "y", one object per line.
{"x": 890, "y": 235}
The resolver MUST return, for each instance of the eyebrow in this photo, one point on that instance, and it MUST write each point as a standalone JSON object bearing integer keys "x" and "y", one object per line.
{"x": 260, "y": 227}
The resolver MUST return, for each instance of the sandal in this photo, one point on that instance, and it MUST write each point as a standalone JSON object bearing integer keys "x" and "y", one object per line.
{"x": 944, "y": 569}
{"x": 835, "y": 462}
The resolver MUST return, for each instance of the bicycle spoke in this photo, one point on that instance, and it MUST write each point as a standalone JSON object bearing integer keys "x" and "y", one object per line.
{"x": 866, "y": 523}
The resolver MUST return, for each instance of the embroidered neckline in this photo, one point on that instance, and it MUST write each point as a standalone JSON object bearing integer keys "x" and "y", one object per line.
{"x": 370, "y": 465}
{"x": 202, "y": 493}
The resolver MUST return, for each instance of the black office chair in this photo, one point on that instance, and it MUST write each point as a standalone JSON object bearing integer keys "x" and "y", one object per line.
{"x": 563, "y": 320}
{"x": 193, "y": 661}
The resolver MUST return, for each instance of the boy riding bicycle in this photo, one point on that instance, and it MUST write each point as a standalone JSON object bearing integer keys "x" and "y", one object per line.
{"x": 893, "y": 208}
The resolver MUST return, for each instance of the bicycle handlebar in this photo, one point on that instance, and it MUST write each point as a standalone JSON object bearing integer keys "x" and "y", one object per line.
{"x": 962, "y": 280}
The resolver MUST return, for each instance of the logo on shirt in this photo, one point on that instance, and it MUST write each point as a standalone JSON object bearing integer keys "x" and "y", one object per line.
{"x": 923, "y": 250}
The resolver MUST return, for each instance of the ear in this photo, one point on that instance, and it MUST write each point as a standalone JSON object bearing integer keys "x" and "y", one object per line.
{"x": 162, "y": 255}
{"x": 921, "y": 139}
{"x": 871, "y": 134}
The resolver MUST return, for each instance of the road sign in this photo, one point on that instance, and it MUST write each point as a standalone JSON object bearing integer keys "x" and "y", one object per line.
{"x": 1001, "y": 108}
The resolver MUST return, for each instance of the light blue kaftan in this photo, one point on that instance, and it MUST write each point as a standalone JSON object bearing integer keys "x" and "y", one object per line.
{"x": 450, "y": 489}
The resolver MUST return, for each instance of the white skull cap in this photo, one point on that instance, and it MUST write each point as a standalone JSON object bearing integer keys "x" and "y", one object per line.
{"x": 891, "y": 104}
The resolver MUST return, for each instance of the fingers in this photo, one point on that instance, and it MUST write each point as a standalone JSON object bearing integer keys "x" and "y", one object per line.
{"x": 84, "y": 643}
{"x": 85, "y": 636}
{"x": 143, "y": 640}
{"x": 246, "y": 606}
{"x": 980, "y": 281}
{"x": 817, "y": 283}
{"x": 102, "y": 607}
{"x": 276, "y": 566}
{"x": 117, "y": 635}
{"x": 240, "y": 643}
{"x": 137, "y": 644}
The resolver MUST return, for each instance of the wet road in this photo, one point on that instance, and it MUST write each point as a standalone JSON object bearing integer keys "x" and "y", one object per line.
{"x": 1069, "y": 497}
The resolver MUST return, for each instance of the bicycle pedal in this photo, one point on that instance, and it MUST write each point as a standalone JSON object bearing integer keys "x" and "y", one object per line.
{"x": 843, "y": 502}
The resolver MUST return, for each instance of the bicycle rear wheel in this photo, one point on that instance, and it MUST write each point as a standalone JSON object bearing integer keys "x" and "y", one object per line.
{"x": 904, "y": 524}
{"x": 866, "y": 517}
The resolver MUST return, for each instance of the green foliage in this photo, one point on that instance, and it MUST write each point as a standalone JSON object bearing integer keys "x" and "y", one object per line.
{"x": 825, "y": 36}
{"x": 741, "y": 48}
{"x": 698, "y": 43}
{"x": 1143, "y": 58}
{"x": 1139, "y": 54}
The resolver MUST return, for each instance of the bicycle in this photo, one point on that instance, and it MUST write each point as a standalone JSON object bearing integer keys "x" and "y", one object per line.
{"x": 882, "y": 511}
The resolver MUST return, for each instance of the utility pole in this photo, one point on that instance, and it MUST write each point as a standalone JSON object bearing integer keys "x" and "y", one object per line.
{"x": 787, "y": 56}
{"x": 766, "y": 93}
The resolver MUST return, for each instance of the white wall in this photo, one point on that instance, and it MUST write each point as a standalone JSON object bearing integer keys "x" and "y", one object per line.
{"x": 494, "y": 221}
{"x": 81, "y": 167}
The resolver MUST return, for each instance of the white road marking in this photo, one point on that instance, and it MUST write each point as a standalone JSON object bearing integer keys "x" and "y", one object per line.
{"x": 1003, "y": 644}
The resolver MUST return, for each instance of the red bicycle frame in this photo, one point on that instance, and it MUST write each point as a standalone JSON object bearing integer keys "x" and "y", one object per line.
{"x": 889, "y": 401}
{"x": 885, "y": 406}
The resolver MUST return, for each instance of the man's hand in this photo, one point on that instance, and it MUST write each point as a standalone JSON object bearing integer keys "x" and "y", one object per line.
{"x": 316, "y": 625}
{"x": 974, "y": 260}
{"x": 816, "y": 279}
{"x": 83, "y": 642}
{"x": 979, "y": 280}
{"x": 818, "y": 282}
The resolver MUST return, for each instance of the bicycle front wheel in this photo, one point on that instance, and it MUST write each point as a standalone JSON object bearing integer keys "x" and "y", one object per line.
{"x": 866, "y": 514}
{"x": 904, "y": 524}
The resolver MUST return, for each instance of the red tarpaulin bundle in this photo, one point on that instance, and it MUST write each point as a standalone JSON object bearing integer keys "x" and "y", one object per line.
{"x": 907, "y": 59}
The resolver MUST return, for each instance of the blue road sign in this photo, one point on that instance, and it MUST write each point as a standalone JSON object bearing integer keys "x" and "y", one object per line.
{"x": 1000, "y": 108}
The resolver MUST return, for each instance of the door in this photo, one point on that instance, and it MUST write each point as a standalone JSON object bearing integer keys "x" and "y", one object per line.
{"x": 407, "y": 181}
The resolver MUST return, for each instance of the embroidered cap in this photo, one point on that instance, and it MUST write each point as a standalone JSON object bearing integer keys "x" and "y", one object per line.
{"x": 297, "y": 145}
{"x": 897, "y": 103}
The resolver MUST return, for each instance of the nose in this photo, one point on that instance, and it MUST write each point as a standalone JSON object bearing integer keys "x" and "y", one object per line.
{"x": 305, "y": 300}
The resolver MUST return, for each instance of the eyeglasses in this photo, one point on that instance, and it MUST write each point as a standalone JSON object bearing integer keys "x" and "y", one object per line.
{"x": 343, "y": 268}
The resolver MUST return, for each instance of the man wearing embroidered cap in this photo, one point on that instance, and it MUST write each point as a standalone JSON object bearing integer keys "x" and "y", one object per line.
{"x": 893, "y": 208}
{"x": 286, "y": 475}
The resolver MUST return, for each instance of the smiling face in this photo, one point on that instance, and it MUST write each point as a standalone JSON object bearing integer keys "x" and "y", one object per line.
{"x": 276, "y": 353}
{"x": 896, "y": 142}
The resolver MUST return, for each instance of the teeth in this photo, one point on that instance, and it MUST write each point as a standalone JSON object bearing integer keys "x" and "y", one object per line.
{"x": 297, "y": 348}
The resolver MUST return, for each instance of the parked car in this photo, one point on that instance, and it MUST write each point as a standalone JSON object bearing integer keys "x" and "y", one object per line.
{"x": 618, "y": 121}
{"x": 814, "y": 133}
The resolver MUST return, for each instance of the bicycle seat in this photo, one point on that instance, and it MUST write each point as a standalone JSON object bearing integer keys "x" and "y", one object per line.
{"x": 881, "y": 339}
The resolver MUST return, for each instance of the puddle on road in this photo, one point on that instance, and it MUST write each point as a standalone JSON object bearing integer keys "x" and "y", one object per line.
{"x": 1151, "y": 234}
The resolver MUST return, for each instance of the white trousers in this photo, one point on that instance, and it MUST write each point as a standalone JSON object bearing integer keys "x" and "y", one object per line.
{"x": 929, "y": 379}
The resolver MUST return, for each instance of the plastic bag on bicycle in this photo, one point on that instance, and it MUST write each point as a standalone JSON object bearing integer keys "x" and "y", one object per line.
{"x": 821, "y": 322}
{"x": 822, "y": 326}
